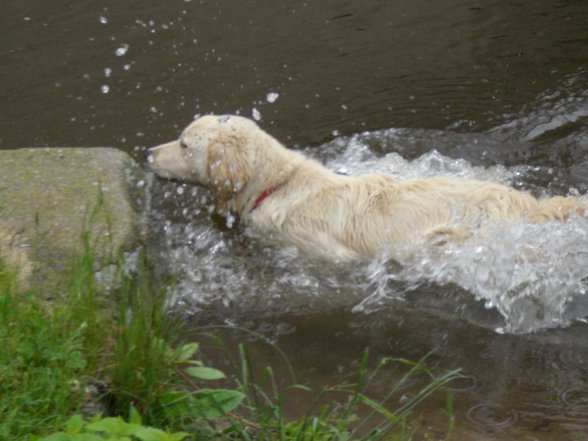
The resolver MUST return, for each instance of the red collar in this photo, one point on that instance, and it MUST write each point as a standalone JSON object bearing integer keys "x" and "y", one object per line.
{"x": 263, "y": 196}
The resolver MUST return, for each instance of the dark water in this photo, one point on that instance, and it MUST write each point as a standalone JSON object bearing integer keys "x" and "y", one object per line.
{"x": 485, "y": 84}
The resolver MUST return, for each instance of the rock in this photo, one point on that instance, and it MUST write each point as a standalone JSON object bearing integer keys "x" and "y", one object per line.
{"x": 50, "y": 196}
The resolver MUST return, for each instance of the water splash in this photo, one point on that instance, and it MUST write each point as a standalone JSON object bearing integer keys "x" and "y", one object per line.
{"x": 122, "y": 50}
{"x": 535, "y": 276}
{"x": 272, "y": 97}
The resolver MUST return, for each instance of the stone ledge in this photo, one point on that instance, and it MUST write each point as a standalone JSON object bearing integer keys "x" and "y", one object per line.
{"x": 50, "y": 196}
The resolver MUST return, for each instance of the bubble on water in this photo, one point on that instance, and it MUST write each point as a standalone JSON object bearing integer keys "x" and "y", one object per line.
{"x": 122, "y": 50}
{"x": 103, "y": 19}
{"x": 105, "y": 88}
{"x": 272, "y": 97}
{"x": 256, "y": 114}
{"x": 180, "y": 190}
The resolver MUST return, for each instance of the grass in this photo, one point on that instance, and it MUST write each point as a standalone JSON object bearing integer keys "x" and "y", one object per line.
{"x": 43, "y": 356}
{"x": 120, "y": 363}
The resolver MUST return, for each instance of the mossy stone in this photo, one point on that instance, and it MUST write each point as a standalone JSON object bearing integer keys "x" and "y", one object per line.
{"x": 49, "y": 197}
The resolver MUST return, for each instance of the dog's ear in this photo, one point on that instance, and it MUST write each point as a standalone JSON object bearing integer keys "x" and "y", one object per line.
{"x": 228, "y": 172}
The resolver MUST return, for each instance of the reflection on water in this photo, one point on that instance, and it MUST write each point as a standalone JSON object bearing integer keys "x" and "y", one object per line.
{"x": 491, "y": 90}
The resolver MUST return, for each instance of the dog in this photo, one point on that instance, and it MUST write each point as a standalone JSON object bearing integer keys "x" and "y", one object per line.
{"x": 282, "y": 193}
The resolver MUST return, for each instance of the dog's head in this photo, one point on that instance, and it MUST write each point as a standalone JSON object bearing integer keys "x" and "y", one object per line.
{"x": 214, "y": 151}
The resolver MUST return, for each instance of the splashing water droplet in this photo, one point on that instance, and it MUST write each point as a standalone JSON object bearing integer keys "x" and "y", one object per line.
{"x": 123, "y": 49}
{"x": 272, "y": 97}
{"x": 256, "y": 114}
{"x": 230, "y": 221}
{"x": 107, "y": 71}
{"x": 105, "y": 88}
{"x": 103, "y": 19}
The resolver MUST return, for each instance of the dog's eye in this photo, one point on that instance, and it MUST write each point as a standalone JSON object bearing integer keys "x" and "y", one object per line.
{"x": 183, "y": 145}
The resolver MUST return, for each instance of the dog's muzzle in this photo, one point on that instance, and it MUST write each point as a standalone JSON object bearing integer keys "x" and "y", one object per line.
{"x": 149, "y": 156}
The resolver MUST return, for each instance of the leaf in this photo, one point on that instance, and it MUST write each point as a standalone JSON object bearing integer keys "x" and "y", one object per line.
{"x": 160, "y": 345}
{"x": 134, "y": 416}
{"x": 115, "y": 427}
{"x": 174, "y": 404}
{"x": 61, "y": 436}
{"x": 186, "y": 352}
{"x": 300, "y": 387}
{"x": 214, "y": 403}
{"x": 86, "y": 437}
{"x": 205, "y": 373}
{"x": 111, "y": 426}
{"x": 74, "y": 425}
{"x": 380, "y": 409}
{"x": 151, "y": 434}
{"x": 177, "y": 436}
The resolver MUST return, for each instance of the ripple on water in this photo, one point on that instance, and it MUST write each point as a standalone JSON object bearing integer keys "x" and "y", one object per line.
{"x": 492, "y": 416}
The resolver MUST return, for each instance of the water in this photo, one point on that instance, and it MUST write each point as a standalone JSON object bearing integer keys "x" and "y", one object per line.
{"x": 494, "y": 91}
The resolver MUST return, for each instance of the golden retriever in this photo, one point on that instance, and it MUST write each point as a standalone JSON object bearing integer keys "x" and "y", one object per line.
{"x": 298, "y": 201}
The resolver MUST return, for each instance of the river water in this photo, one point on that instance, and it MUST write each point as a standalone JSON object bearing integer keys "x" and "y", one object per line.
{"x": 495, "y": 90}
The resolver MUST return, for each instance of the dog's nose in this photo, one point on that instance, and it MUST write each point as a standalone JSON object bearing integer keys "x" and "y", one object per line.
{"x": 148, "y": 156}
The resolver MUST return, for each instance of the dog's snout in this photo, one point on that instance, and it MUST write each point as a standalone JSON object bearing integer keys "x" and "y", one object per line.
{"x": 148, "y": 156}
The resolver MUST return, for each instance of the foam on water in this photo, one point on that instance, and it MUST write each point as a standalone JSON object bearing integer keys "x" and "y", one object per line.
{"x": 534, "y": 276}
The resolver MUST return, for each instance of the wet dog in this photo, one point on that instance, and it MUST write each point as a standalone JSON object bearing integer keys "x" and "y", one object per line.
{"x": 295, "y": 199}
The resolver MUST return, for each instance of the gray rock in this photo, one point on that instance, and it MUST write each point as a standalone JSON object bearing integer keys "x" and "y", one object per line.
{"x": 49, "y": 197}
